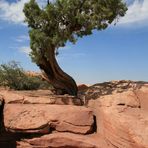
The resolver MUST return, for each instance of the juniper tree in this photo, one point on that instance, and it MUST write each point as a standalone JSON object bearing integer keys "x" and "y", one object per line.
{"x": 62, "y": 21}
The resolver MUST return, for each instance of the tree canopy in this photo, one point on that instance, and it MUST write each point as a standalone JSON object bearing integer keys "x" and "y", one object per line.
{"x": 65, "y": 20}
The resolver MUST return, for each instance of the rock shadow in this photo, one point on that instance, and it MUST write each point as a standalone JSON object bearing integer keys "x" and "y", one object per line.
{"x": 7, "y": 139}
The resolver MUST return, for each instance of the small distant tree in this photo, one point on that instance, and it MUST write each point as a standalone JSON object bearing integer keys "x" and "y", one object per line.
{"x": 61, "y": 21}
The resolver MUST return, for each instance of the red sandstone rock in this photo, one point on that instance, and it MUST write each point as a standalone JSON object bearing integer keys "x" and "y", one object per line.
{"x": 39, "y": 118}
{"x": 123, "y": 118}
{"x": 120, "y": 107}
{"x": 106, "y": 88}
{"x": 37, "y": 97}
{"x": 59, "y": 140}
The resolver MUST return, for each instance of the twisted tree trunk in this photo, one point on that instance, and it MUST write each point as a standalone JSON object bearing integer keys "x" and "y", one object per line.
{"x": 61, "y": 81}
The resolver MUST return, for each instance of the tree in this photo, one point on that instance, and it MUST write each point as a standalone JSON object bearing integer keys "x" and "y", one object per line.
{"x": 61, "y": 21}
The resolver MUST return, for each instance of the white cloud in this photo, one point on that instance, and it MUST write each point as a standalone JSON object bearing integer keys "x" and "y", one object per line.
{"x": 22, "y": 38}
{"x": 13, "y": 12}
{"x": 137, "y": 13}
{"x": 25, "y": 49}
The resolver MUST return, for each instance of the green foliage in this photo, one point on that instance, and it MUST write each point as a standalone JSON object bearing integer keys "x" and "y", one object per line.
{"x": 67, "y": 20}
{"x": 13, "y": 76}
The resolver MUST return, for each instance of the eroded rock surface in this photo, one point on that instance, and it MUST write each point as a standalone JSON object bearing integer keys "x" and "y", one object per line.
{"x": 39, "y": 118}
{"x": 37, "y": 97}
{"x": 123, "y": 117}
{"x": 115, "y": 115}
{"x": 62, "y": 140}
{"x": 109, "y": 88}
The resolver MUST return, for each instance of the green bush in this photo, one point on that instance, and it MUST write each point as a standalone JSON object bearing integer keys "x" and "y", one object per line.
{"x": 13, "y": 76}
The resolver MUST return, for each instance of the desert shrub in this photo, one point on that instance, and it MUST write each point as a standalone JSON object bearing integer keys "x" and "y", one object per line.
{"x": 13, "y": 76}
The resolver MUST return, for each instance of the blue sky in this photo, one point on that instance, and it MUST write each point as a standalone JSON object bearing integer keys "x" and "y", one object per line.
{"x": 119, "y": 52}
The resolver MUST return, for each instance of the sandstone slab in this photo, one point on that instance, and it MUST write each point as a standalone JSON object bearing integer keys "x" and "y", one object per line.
{"x": 123, "y": 118}
{"x": 44, "y": 118}
{"x": 61, "y": 140}
{"x": 37, "y": 97}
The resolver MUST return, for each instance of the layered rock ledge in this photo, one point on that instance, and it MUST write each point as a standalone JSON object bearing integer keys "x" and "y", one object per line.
{"x": 41, "y": 118}
{"x": 45, "y": 119}
{"x": 37, "y": 97}
{"x": 115, "y": 115}
{"x": 122, "y": 117}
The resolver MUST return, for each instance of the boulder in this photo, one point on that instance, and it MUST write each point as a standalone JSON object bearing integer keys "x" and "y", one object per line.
{"x": 44, "y": 118}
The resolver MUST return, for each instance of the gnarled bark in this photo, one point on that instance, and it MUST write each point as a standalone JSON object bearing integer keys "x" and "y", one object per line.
{"x": 61, "y": 81}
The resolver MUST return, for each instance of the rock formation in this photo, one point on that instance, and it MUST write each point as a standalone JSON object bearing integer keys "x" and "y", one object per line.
{"x": 122, "y": 113}
{"x": 40, "y": 118}
{"x": 114, "y": 115}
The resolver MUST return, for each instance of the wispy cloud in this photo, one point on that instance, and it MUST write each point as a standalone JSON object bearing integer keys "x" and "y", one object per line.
{"x": 22, "y": 38}
{"x": 25, "y": 49}
{"x": 13, "y": 12}
{"x": 137, "y": 13}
